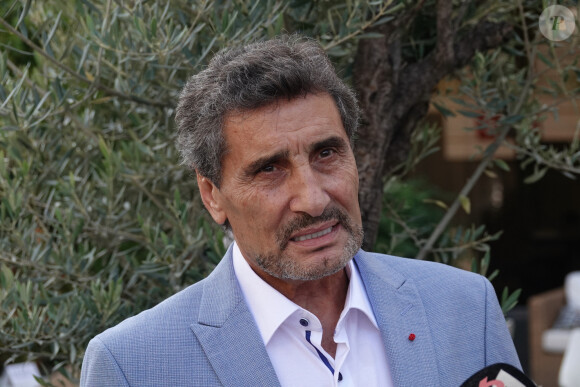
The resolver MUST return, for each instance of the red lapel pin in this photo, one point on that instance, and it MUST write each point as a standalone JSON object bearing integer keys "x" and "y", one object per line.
{"x": 411, "y": 337}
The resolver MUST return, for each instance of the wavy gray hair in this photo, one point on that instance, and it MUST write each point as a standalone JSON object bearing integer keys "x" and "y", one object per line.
{"x": 245, "y": 78}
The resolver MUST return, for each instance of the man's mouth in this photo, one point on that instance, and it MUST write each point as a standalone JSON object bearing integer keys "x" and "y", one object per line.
{"x": 313, "y": 235}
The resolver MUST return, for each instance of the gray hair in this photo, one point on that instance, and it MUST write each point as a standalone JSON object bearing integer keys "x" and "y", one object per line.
{"x": 242, "y": 79}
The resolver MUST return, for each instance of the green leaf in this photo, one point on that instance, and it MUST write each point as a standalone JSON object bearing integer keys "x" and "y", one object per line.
{"x": 513, "y": 51}
{"x": 545, "y": 60}
{"x": 23, "y": 14}
{"x": 337, "y": 52}
{"x": 458, "y": 235}
{"x": 471, "y": 114}
{"x": 493, "y": 275}
{"x": 57, "y": 87}
{"x": 53, "y": 30}
{"x": 6, "y": 277}
{"x": 71, "y": 179}
{"x": 556, "y": 114}
{"x": 16, "y": 89}
{"x": 279, "y": 23}
{"x": 502, "y": 164}
{"x": 465, "y": 203}
{"x": 536, "y": 176}
{"x": 510, "y": 120}
{"x": 139, "y": 24}
{"x": 104, "y": 149}
{"x": 207, "y": 50}
{"x": 153, "y": 27}
{"x": 569, "y": 175}
{"x": 485, "y": 263}
{"x": 478, "y": 231}
{"x": 443, "y": 110}
{"x": 509, "y": 301}
{"x": 490, "y": 174}
{"x": 371, "y": 35}
{"x": 90, "y": 23}
{"x": 438, "y": 203}
{"x": 395, "y": 8}
{"x": 474, "y": 265}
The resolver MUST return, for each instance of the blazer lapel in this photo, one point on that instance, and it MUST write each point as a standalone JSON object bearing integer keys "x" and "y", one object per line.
{"x": 403, "y": 323}
{"x": 228, "y": 334}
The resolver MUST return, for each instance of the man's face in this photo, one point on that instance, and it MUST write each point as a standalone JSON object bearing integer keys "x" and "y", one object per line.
{"x": 289, "y": 189}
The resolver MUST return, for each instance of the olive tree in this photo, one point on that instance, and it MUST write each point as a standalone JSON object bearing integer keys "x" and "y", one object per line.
{"x": 98, "y": 219}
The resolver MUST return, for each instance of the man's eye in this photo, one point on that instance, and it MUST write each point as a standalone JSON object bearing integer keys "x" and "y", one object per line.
{"x": 268, "y": 169}
{"x": 326, "y": 153}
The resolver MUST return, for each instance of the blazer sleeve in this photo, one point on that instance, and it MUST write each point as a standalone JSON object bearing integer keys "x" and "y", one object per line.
{"x": 499, "y": 345}
{"x": 100, "y": 367}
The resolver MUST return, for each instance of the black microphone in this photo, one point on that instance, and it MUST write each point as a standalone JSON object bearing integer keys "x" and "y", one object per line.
{"x": 499, "y": 375}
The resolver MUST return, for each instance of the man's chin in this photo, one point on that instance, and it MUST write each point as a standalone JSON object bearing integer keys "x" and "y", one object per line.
{"x": 309, "y": 262}
{"x": 309, "y": 267}
{"x": 322, "y": 273}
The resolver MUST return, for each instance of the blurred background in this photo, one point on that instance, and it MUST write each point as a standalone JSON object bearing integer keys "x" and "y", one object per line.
{"x": 468, "y": 154}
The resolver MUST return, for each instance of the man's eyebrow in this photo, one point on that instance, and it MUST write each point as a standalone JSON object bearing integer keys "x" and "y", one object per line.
{"x": 260, "y": 163}
{"x": 331, "y": 142}
{"x": 256, "y": 165}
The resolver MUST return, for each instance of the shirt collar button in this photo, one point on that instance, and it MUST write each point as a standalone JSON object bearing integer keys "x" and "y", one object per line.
{"x": 304, "y": 322}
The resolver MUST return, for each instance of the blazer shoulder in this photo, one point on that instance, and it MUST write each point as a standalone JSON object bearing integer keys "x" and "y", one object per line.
{"x": 173, "y": 317}
{"x": 162, "y": 345}
{"x": 459, "y": 308}
{"x": 172, "y": 314}
{"x": 414, "y": 268}
{"x": 154, "y": 348}
{"x": 428, "y": 277}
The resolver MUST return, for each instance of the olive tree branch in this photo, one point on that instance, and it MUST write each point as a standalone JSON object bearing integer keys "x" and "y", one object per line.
{"x": 76, "y": 75}
{"x": 363, "y": 28}
{"x": 488, "y": 156}
{"x": 539, "y": 159}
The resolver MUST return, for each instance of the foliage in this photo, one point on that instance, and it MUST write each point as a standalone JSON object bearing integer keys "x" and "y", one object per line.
{"x": 97, "y": 219}
{"x": 409, "y": 214}
{"x": 411, "y": 210}
{"x": 503, "y": 86}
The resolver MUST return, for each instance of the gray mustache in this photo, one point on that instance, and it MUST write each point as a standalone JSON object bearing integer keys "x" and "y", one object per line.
{"x": 304, "y": 220}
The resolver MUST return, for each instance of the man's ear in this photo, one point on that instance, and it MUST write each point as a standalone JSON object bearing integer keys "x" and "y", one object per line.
{"x": 211, "y": 197}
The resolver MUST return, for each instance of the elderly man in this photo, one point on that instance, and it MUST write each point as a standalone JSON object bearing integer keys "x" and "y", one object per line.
{"x": 268, "y": 129}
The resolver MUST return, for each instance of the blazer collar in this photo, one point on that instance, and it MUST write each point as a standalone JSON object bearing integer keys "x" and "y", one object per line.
{"x": 231, "y": 340}
{"x": 228, "y": 334}
{"x": 400, "y": 313}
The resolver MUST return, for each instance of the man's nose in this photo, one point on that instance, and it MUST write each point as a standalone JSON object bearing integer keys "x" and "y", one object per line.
{"x": 308, "y": 194}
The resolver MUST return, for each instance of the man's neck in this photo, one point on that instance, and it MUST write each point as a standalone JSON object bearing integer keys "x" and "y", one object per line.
{"x": 325, "y": 298}
{"x": 319, "y": 295}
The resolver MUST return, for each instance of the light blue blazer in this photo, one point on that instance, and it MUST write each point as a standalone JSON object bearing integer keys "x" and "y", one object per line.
{"x": 206, "y": 336}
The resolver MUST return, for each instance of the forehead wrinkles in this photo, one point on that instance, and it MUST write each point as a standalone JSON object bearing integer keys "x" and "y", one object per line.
{"x": 242, "y": 124}
{"x": 261, "y": 135}
{"x": 289, "y": 127}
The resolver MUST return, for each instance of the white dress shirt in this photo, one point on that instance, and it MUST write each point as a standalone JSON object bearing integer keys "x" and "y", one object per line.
{"x": 360, "y": 355}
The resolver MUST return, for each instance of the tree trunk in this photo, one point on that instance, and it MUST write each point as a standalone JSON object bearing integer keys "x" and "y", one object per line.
{"x": 394, "y": 97}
